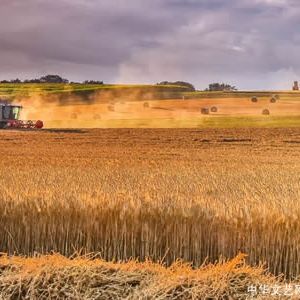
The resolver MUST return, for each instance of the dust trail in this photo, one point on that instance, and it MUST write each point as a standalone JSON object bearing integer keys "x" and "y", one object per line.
{"x": 108, "y": 109}
{"x": 89, "y": 111}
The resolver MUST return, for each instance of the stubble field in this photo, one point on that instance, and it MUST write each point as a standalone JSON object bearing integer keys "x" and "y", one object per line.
{"x": 158, "y": 194}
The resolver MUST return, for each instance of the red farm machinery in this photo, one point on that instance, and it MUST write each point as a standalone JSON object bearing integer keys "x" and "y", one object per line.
{"x": 9, "y": 118}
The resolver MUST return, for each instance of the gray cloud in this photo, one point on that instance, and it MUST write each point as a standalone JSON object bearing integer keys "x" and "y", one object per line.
{"x": 253, "y": 44}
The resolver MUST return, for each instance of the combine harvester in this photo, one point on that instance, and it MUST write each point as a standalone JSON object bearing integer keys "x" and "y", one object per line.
{"x": 9, "y": 118}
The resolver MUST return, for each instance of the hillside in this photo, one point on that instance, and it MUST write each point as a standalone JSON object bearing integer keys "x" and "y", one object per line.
{"x": 70, "y": 93}
{"x": 87, "y": 93}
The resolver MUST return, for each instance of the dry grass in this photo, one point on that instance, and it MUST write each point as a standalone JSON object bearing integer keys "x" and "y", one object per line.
{"x": 55, "y": 277}
{"x": 158, "y": 194}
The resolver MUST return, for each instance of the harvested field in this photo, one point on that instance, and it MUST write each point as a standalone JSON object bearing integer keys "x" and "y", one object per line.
{"x": 55, "y": 277}
{"x": 166, "y": 113}
{"x": 158, "y": 194}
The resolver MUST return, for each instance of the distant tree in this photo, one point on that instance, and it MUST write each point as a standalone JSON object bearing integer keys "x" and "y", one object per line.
{"x": 53, "y": 79}
{"x": 16, "y": 81}
{"x": 189, "y": 86}
{"x": 92, "y": 82}
{"x": 32, "y": 81}
{"x": 221, "y": 87}
{"x": 43, "y": 79}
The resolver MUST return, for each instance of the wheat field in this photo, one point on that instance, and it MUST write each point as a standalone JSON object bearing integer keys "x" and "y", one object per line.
{"x": 189, "y": 194}
{"x": 56, "y": 277}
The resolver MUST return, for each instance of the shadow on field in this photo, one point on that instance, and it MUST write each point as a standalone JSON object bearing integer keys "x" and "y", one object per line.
{"x": 233, "y": 140}
{"x": 65, "y": 130}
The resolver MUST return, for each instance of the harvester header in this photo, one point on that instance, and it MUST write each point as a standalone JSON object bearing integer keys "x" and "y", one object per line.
{"x": 10, "y": 118}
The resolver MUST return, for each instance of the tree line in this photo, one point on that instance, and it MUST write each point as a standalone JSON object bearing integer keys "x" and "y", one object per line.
{"x": 221, "y": 87}
{"x": 58, "y": 79}
{"x": 211, "y": 88}
{"x": 49, "y": 79}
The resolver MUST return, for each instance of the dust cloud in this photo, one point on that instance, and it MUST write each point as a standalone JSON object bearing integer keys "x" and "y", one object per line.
{"x": 91, "y": 110}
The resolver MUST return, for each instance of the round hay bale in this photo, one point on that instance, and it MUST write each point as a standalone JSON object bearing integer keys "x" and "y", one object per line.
{"x": 254, "y": 99}
{"x": 266, "y": 112}
{"x": 273, "y": 99}
{"x": 97, "y": 117}
{"x": 74, "y": 116}
{"x": 204, "y": 111}
{"x": 277, "y": 97}
{"x": 146, "y": 105}
{"x": 111, "y": 108}
{"x": 214, "y": 109}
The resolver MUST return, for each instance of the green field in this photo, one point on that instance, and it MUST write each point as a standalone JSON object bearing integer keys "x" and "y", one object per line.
{"x": 283, "y": 95}
{"x": 11, "y": 91}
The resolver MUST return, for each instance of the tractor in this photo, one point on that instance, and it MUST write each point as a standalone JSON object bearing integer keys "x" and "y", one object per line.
{"x": 9, "y": 118}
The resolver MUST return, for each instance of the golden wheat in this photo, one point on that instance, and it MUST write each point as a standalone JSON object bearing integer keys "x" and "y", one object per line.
{"x": 157, "y": 194}
{"x": 55, "y": 277}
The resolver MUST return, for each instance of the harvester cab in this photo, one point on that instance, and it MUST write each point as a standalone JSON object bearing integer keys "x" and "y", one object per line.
{"x": 10, "y": 118}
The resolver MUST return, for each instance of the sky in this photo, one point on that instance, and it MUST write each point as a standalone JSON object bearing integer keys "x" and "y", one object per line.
{"x": 252, "y": 44}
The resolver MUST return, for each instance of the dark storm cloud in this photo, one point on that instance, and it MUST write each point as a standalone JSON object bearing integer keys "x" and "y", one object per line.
{"x": 249, "y": 43}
